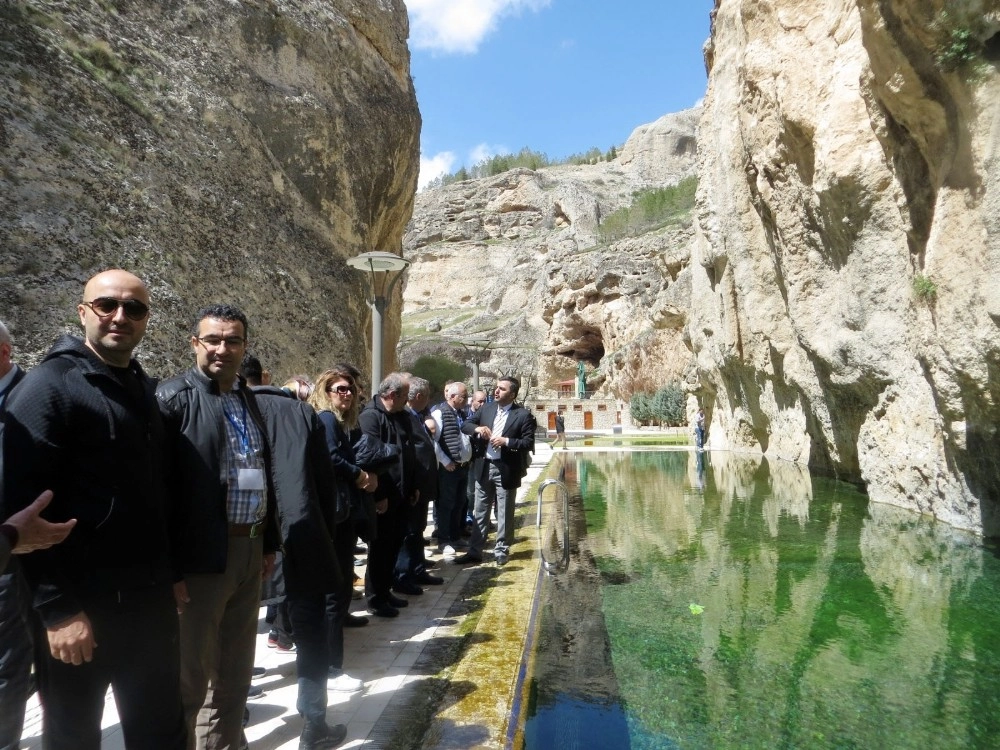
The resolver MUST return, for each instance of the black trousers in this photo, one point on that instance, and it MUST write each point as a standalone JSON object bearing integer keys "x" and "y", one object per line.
{"x": 382, "y": 552}
{"x": 338, "y": 603}
{"x": 138, "y": 655}
{"x": 16, "y": 653}
{"x": 410, "y": 562}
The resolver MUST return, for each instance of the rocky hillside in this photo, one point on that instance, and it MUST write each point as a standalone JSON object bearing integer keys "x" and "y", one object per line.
{"x": 516, "y": 260}
{"x": 844, "y": 295}
{"x": 223, "y": 151}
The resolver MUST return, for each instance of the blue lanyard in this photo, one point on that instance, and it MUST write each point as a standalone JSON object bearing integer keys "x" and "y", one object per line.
{"x": 242, "y": 429}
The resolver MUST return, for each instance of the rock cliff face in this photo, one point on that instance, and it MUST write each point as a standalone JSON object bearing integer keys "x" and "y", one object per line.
{"x": 516, "y": 260}
{"x": 840, "y": 165}
{"x": 234, "y": 152}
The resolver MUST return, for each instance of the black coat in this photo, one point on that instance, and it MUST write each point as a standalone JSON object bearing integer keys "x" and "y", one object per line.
{"x": 197, "y": 480}
{"x": 72, "y": 426}
{"x": 305, "y": 490}
{"x": 392, "y": 428}
{"x": 426, "y": 474}
{"x": 520, "y": 428}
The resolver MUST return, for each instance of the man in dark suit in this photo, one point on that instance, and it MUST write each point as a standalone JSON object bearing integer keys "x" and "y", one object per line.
{"x": 509, "y": 429}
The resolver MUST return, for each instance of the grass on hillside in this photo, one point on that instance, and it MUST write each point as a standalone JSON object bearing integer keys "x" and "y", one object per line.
{"x": 651, "y": 209}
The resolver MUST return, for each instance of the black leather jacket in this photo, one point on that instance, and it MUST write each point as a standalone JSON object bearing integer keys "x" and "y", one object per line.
{"x": 196, "y": 437}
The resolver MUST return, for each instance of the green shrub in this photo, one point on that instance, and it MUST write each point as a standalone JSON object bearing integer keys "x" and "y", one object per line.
{"x": 651, "y": 209}
{"x": 959, "y": 41}
{"x": 438, "y": 371}
{"x": 640, "y": 408}
{"x": 924, "y": 289}
{"x": 668, "y": 405}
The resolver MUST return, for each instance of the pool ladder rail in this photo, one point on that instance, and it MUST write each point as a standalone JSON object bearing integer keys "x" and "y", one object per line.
{"x": 563, "y": 563}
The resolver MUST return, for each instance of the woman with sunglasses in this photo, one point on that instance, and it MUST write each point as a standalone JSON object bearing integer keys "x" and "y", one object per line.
{"x": 333, "y": 398}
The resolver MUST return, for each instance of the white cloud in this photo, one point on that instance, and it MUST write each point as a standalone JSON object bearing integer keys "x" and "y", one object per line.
{"x": 460, "y": 25}
{"x": 435, "y": 166}
{"x": 484, "y": 151}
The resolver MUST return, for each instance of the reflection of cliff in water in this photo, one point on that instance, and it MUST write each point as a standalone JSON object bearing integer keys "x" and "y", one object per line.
{"x": 574, "y": 699}
{"x": 826, "y": 623}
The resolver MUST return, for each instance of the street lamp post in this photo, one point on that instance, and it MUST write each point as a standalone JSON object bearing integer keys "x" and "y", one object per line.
{"x": 478, "y": 351}
{"x": 384, "y": 270}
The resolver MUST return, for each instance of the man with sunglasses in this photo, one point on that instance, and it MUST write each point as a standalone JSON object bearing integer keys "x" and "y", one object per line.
{"x": 85, "y": 424}
{"x": 224, "y": 528}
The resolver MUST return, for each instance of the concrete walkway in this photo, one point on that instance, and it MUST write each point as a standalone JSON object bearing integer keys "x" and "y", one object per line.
{"x": 428, "y": 673}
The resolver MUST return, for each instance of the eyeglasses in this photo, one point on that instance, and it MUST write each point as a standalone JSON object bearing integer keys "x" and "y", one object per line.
{"x": 104, "y": 307}
{"x": 341, "y": 389}
{"x": 214, "y": 342}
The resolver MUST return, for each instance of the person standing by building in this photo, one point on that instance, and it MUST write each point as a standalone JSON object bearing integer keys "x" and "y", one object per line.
{"x": 699, "y": 429}
{"x": 561, "y": 430}
{"x": 224, "y": 526}
{"x": 84, "y": 423}
{"x": 509, "y": 429}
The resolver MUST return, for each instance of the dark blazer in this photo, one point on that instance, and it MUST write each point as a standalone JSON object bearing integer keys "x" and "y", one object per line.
{"x": 520, "y": 428}
{"x": 305, "y": 490}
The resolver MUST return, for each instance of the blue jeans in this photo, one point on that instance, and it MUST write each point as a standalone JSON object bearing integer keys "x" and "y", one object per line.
{"x": 15, "y": 653}
{"x": 312, "y": 654}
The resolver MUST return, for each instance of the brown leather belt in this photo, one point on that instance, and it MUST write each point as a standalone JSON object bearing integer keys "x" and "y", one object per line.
{"x": 252, "y": 530}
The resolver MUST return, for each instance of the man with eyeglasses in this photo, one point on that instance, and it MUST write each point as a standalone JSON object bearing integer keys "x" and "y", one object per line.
{"x": 85, "y": 424}
{"x": 224, "y": 528}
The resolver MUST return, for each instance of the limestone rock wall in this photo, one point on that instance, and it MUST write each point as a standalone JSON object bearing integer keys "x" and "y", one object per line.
{"x": 233, "y": 152}
{"x": 838, "y": 164}
{"x": 516, "y": 260}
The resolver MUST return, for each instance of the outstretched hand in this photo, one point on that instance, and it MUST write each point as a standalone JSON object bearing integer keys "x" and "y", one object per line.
{"x": 33, "y": 531}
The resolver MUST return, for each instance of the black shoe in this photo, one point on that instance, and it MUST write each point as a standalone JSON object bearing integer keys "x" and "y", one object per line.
{"x": 255, "y": 692}
{"x": 258, "y": 672}
{"x": 321, "y": 736}
{"x": 500, "y": 558}
{"x": 355, "y": 621}
{"x": 405, "y": 587}
{"x": 466, "y": 559}
{"x": 396, "y": 602}
{"x": 382, "y": 609}
{"x": 428, "y": 580}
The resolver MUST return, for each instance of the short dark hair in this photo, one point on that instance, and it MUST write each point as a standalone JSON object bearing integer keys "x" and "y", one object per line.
{"x": 221, "y": 312}
{"x": 515, "y": 384}
{"x": 252, "y": 369}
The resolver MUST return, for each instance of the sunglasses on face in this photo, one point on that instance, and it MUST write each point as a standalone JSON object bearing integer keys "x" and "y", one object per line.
{"x": 104, "y": 307}
{"x": 342, "y": 389}
{"x": 214, "y": 342}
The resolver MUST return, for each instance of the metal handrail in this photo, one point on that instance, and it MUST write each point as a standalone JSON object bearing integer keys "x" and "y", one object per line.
{"x": 554, "y": 567}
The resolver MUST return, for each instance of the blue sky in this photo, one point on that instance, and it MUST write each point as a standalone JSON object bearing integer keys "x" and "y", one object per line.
{"x": 557, "y": 76}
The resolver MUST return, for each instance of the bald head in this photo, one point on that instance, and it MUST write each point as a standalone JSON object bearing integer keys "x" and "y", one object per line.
{"x": 113, "y": 329}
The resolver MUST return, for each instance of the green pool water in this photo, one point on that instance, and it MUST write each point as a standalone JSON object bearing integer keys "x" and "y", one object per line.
{"x": 720, "y": 601}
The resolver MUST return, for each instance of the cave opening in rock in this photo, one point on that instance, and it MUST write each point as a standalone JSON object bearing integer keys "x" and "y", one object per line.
{"x": 585, "y": 345}
{"x": 991, "y": 48}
